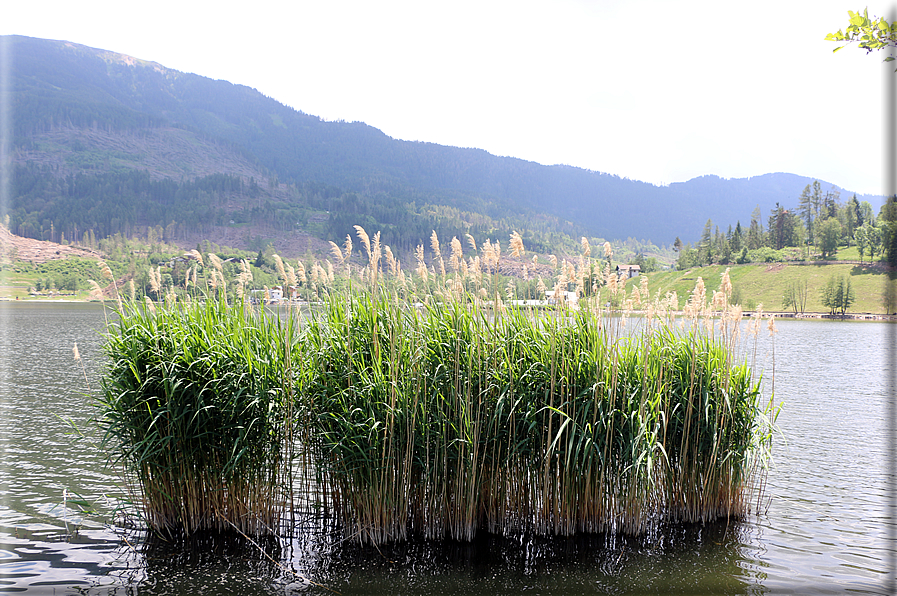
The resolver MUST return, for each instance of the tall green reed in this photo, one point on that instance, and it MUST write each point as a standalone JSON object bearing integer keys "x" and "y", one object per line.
{"x": 195, "y": 410}
{"x": 450, "y": 419}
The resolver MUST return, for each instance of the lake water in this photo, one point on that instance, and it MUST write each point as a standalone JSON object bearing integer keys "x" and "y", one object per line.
{"x": 826, "y": 526}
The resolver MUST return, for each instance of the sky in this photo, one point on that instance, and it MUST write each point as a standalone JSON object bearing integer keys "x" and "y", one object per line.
{"x": 657, "y": 91}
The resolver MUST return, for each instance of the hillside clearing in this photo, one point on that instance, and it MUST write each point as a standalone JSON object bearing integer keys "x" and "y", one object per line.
{"x": 766, "y": 284}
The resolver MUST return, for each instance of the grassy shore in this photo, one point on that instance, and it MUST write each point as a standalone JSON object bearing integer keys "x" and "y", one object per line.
{"x": 767, "y": 284}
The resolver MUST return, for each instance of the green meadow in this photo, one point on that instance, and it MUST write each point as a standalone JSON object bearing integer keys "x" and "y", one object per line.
{"x": 768, "y": 283}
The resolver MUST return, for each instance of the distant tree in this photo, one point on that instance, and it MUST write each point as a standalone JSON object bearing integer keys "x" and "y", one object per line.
{"x": 837, "y": 295}
{"x": 736, "y": 243}
{"x": 721, "y": 253}
{"x": 806, "y": 210}
{"x": 851, "y": 217}
{"x": 646, "y": 264}
{"x": 888, "y": 219}
{"x": 776, "y": 227}
{"x": 795, "y": 296}
{"x": 706, "y": 245}
{"x": 829, "y": 235}
{"x": 874, "y": 240}
{"x": 755, "y": 232}
{"x": 867, "y": 215}
{"x": 830, "y": 203}
{"x": 862, "y": 241}
{"x": 688, "y": 257}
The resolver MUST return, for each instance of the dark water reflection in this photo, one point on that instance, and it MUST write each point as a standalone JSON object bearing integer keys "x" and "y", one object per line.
{"x": 825, "y": 530}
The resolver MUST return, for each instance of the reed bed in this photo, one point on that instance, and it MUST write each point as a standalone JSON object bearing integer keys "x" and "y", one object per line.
{"x": 425, "y": 407}
{"x": 450, "y": 419}
{"x": 197, "y": 409}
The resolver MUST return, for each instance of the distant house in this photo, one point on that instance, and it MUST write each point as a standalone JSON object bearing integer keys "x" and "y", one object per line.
{"x": 628, "y": 271}
{"x": 568, "y": 297}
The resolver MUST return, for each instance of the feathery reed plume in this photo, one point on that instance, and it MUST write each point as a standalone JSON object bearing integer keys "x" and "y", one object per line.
{"x": 278, "y": 264}
{"x": 77, "y": 356}
{"x": 553, "y": 260}
{"x": 390, "y": 260}
{"x": 570, "y": 272}
{"x": 475, "y": 269}
{"x": 434, "y": 245}
{"x": 365, "y": 240}
{"x": 726, "y": 284}
{"x": 216, "y": 262}
{"x": 156, "y": 280}
{"x": 300, "y": 272}
{"x": 558, "y": 295}
{"x": 457, "y": 254}
{"x": 347, "y": 247}
{"x": 540, "y": 288}
{"x": 336, "y": 252}
{"x": 107, "y": 272}
{"x": 244, "y": 278}
{"x": 150, "y": 304}
{"x": 375, "y": 255}
{"x": 472, "y": 243}
{"x": 611, "y": 282}
{"x": 516, "y": 244}
{"x": 489, "y": 256}
{"x": 586, "y": 248}
{"x": 421, "y": 266}
{"x": 292, "y": 281}
{"x": 608, "y": 251}
{"x": 196, "y": 255}
{"x": 133, "y": 291}
{"x": 96, "y": 292}
{"x": 329, "y": 272}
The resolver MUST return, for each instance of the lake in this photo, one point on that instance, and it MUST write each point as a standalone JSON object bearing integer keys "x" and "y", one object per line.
{"x": 826, "y": 524}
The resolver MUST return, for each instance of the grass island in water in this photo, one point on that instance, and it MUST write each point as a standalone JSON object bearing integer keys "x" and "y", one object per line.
{"x": 418, "y": 408}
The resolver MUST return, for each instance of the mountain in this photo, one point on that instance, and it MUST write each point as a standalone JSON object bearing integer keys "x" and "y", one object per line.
{"x": 118, "y": 142}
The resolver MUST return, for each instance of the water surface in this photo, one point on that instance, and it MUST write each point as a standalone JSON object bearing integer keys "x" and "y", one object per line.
{"x": 824, "y": 528}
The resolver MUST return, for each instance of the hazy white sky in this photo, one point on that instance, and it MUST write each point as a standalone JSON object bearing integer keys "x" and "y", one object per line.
{"x": 659, "y": 91}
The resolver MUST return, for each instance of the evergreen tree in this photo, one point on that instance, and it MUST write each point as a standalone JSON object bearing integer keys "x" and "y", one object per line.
{"x": 806, "y": 209}
{"x": 706, "y": 245}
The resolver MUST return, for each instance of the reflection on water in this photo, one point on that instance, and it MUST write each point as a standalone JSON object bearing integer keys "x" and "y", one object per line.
{"x": 825, "y": 530}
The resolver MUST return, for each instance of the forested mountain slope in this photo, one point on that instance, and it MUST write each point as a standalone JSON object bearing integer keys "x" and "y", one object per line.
{"x": 117, "y": 142}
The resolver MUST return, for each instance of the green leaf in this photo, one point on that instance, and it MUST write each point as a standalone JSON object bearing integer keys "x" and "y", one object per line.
{"x": 889, "y": 59}
{"x": 839, "y": 48}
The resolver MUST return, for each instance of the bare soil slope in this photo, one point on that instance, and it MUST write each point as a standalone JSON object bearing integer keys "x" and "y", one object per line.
{"x": 14, "y": 247}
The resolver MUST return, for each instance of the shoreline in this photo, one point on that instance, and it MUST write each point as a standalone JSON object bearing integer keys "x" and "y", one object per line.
{"x": 861, "y": 316}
